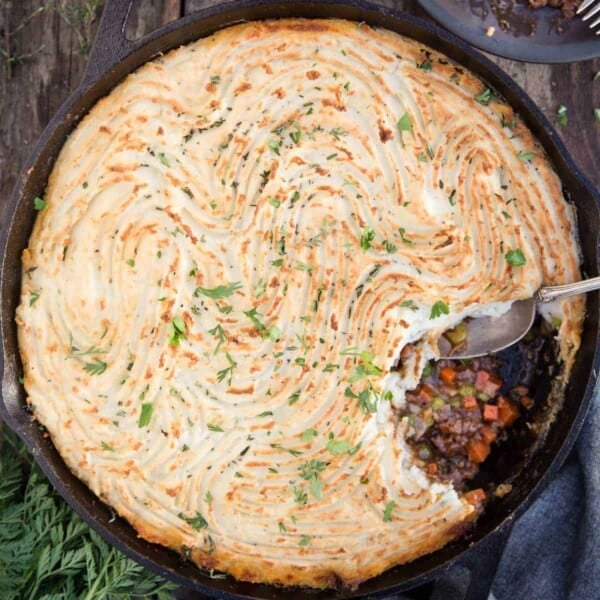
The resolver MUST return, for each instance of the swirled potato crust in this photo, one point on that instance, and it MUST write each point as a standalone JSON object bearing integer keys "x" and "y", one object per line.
{"x": 234, "y": 247}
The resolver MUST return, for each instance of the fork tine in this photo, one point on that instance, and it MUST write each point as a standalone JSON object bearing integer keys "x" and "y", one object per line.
{"x": 591, "y": 13}
{"x": 585, "y": 5}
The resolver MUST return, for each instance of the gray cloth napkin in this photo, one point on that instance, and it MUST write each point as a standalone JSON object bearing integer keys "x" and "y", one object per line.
{"x": 553, "y": 552}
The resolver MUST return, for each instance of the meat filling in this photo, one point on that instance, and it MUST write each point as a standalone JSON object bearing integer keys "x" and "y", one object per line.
{"x": 457, "y": 412}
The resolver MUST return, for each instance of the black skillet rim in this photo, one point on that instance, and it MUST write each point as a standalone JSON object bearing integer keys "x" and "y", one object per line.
{"x": 89, "y": 507}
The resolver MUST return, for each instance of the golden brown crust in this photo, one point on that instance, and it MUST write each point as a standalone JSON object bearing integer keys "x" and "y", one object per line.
{"x": 238, "y": 242}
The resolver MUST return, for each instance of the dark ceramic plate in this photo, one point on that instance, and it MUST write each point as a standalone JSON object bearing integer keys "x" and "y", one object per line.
{"x": 534, "y": 35}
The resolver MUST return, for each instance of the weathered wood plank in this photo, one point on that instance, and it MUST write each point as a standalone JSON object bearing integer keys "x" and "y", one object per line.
{"x": 147, "y": 16}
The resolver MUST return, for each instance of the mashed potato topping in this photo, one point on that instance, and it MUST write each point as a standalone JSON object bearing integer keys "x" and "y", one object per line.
{"x": 233, "y": 249}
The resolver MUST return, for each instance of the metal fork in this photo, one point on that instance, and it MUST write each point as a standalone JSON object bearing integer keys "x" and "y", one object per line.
{"x": 594, "y": 9}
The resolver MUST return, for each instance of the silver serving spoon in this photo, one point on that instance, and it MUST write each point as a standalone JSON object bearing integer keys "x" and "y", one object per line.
{"x": 492, "y": 334}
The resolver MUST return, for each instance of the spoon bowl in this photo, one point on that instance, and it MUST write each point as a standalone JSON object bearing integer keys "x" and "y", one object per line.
{"x": 486, "y": 335}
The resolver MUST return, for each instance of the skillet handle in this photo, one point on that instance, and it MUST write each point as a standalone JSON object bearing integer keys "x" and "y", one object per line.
{"x": 110, "y": 45}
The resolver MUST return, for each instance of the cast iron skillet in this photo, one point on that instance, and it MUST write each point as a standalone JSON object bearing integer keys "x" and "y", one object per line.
{"x": 111, "y": 59}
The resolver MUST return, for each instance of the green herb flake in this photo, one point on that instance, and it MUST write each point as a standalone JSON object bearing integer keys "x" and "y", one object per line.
{"x": 438, "y": 309}
{"x": 274, "y": 145}
{"x": 215, "y": 428}
{"x": 106, "y": 447}
{"x": 451, "y": 198}
{"x": 425, "y": 65}
{"x": 96, "y": 367}
{"x": 145, "y": 414}
{"x": 337, "y": 447}
{"x": 296, "y": 134}
{"x": 311, "y": 468}
{"x": 387, "y": 513}
{"x": 281, "y": 526}
{"x": 409, "y": 304}
{"x": 253, "y": 315}
{"x": 308, "y": 434}
{"x": 130, "y": 262}
{"x": 39, "y": 204}
{"x": 197, "y": 522}
{"x": 561, "y": 115}
{"x": 525, "y": 156}
{"x": 227, "y": 372}
{"x": 366, "y": 238}
{"x": 218, "y": 332}
{"x": 389, "y": 247}
{"x": 163, "y": 159}
{"x": 34, "y": 296}
{"x": 216, "y": 79}
{"x": 84, "y": 185}
{"x": 177, "y": 331}
{"x": 208, "y": 497}
{"x": 305, "y": 540}
{"x": 404, "y": 124}
{"x": 515, "y": 257}
{"x": 294, "y": 398}
{"x": 300, "y": 495}
{"x": 221, "y": 291}
{"x": 485, "y": 97}
{"x": 274, "y": 202}
{"x": 403, "y": 237}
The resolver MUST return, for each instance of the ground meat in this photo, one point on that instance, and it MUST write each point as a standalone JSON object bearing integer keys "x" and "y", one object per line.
{"x": 456, "y": 413}
{"x": 568, "y": 7}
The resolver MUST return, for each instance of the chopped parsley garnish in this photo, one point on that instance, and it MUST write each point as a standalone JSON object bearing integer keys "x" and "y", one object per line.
{"x": 253, "y": 315}
{"x": 367, "y": 399}
{"x": 176, "y": 331}
{"x": 214, "y": 428}
{"x": 515, "y": 257}
{"x": 305, "y": 540}
{"x": 208, "y": 497}
{"x": 485, "y": 97}
{"x": 525, "y": 156}
{"x": 34, "y": 296}
{"x": 409, "y": 304}
{"x": 337, "y": 447}
{"x": 300, "y": 495}
{"x": 215, "y": 79}
{"x": 366, "y": 238}
{"x": 227, "y": 372}
{"x": 274, "y": 145}
{"x": 294, "y": 398}
{"x": 387, "y": 513}
{"x": 302, "y": 266}
{"x": 308, "y": 434}
{"x": 97, "y": 367}
{"x": 163, "y": 159}
{"x": 561, "y": 115}
{"x": 197, "y": 522}
{"x": 365, "y": 368}
{"x": 221, "y": 291}
{"x": 296, "y": 134}
{"x": 266, "y": 413}
{"x": 425, "y": 65}
{"x": 404, "y": 239}
{"x": 404, "y": 124}
{"x": 106, "y": 447}
{"x": 451, "y": 198}
{"x": 219, "y": 332}
{"x": 130, "y": 262}
{"x": 274, "y": 202}
{"x": 39, "y": 204}
{"x": 390, "y": 248}
{"x": 438, "y": 309}
{"x": 311, "y": 468}
{"x": 145, "y": 414}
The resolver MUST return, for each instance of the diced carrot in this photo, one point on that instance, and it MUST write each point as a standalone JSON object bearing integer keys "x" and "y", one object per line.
{"x": 432, "y": 468}
{"x": 490, "y": 412}
{"x": 508, "y": 412}
{"x": 526, "y": 401}
{"x": 477, "y": 450}
{"x": 427, "y": 392}
{"x": 481, "y": 379}
{"x": 475, "y": 497}
{"x": 469, "y": 402}
{"x": 488, "y": 435}
{"x": 448, "y": 375}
